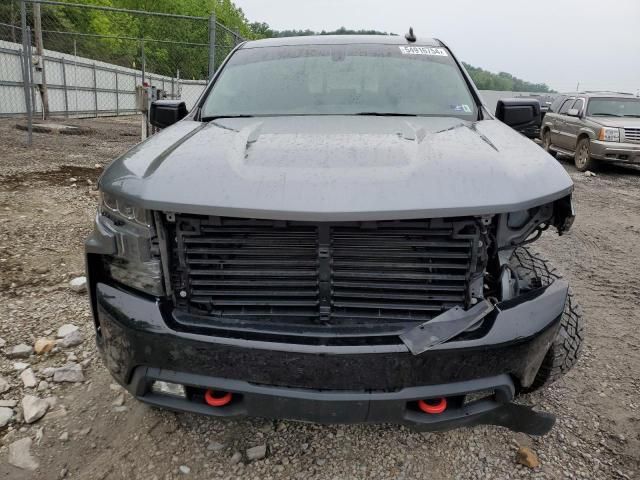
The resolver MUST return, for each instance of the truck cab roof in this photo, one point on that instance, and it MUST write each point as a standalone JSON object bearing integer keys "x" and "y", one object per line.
{"x": 342, "y": 40}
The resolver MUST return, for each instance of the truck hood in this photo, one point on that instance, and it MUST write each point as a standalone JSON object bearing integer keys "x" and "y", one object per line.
{"x": 325, "y": 168}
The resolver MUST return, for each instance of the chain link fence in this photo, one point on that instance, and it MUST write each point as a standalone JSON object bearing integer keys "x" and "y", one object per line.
{"x": 60, "y": 59}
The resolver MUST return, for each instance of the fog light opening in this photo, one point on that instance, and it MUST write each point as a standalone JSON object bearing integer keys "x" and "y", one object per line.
{"x": 217, "y": 398}
{"x": 168, "y": 388}
{"x": 433, "y": 405}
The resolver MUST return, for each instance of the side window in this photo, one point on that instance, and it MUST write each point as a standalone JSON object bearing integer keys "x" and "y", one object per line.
{"x": 566, "y": 105}
{"x": 555, "y": 106}
{"x": 579, "y": 105}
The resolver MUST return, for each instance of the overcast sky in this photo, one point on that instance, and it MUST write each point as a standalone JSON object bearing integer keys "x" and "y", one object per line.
{"x": 558, "y": 42}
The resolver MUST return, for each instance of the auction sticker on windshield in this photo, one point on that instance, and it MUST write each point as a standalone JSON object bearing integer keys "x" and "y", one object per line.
{"x": 438, "y": 52}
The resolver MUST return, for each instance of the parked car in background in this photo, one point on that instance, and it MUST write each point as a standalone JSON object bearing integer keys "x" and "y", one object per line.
{"x": 545, "y": 99}
{"x": 593, "y": 127}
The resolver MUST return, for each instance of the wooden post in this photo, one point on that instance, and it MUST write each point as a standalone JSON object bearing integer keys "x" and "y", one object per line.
{"x": 26, "y": 62}
{"x": 42, "y": 86}
{"x": 212, "y": 45}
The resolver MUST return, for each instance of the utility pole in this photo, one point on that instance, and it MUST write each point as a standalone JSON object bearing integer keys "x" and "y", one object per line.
{"x": 578, "y": 87}
{"x": 42, "y": 85}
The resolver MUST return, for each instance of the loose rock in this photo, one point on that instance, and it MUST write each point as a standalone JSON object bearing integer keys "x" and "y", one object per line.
{"x": 3, "y": 342}
{"x": 527, "y": 457}
{"x": 28, "y": 378}
{"x": 8, "y": 403}
{"x": 119, "y": 401}
{"x": 73, "y": 339}
{"x": 66, "y": 329}
{"x": 78, "y": 284}
{"x": 4, "y": 385}
{"x": 33, "y": 408}
{"x": 20, "y": 351}
{"x": 71, "y": 372}
{"x": 5, "y": 415}
{"x": 20, "y": 366}
{"x": 43, "y": 385}
{"x": 64, "y": 436}
{"x": 20, "y": 455}
{"x": 215, "y": 446}
{"x": 44, "y": 345}
{"x": 184, "y": 470}
{"x": 235, "y": 458}
{"x": 256, "y": 453}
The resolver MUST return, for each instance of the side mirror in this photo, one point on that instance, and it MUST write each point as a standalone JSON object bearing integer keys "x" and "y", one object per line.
{"x": 519, "y": 113}
{"x": 164, "y": 113}
{"x": 573, "y": 112}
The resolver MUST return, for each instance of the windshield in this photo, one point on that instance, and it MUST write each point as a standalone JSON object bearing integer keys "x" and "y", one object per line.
{"x": 614, "y": 107}
{"x": 340, "y": 80}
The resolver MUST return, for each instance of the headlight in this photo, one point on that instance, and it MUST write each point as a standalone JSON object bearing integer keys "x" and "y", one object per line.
{"x": 119, "y": 209}
{"x": 609, "y": 134}
{"x": 136, "y": 262}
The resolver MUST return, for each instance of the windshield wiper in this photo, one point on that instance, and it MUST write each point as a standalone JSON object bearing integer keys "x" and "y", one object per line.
{"x": 632, "y": 115}
{"x": 216, "y": 117}
{"x": 604, "y": 115}
{"x": 387, "y": 114}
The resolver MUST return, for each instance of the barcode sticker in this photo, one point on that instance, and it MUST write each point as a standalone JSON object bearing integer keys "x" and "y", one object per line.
{"x": 435, "y": 51}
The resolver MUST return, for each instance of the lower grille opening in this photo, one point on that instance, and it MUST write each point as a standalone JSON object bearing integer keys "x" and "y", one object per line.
{"x": 329, "y": 282}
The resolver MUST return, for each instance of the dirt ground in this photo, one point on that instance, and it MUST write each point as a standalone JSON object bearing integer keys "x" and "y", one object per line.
{"x": 47, "y": 203}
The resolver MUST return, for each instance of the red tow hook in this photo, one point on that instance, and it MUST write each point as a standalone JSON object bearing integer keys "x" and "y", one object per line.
{"x": 433, "y": 405}
{"x": 217, "y": 399}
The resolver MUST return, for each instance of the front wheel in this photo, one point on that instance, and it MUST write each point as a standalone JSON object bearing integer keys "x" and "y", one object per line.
{"x": 535, "y": 271}
{"x": 582, "y": 157}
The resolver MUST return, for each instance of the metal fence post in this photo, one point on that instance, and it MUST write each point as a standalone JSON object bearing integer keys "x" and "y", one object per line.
{"x": 95, "y": 89}
{"x": 25, "y": 71}
{"x": 212, "y": 45}
{"x": 75, "y": 74}
{"x": 144, "y": 60}
{"x": 64, "y": 84}
{"x": 30, "y": 72}
{"x": 117, "y": 96}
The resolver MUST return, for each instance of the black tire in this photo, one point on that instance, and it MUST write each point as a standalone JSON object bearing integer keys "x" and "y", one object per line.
{"x": 582, "y": 157}
{"x": 546, "y": 143}
{"x": 534, "y": 271}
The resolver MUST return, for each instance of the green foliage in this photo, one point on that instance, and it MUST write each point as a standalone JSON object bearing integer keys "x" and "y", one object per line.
{"x": 503, "y": 81}
{"x": 262, "y": 30}
{"x": 170, "y": 44}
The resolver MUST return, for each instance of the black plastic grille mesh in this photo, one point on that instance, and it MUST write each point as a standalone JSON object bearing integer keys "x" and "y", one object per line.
{"x": 301, "y": 273}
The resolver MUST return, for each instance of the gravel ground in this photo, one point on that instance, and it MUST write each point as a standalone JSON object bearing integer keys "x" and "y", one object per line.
{"x": 92, "y": 430}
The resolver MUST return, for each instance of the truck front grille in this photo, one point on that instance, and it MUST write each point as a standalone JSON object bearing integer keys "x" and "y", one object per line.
{"x": 247, "y": 273}
{"x": 632, "y": 135}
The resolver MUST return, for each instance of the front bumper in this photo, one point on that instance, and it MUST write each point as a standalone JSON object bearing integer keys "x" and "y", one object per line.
{"x": 615, "y": 151}
{"x": 334, "y": 384}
